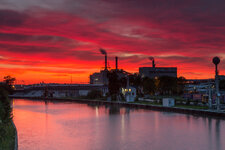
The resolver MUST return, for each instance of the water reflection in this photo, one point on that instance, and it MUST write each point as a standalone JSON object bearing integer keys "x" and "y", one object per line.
{"x": 210, "y": 132}
{"x": 111, "y": 110}
{"x": 64, "y": 125}
{"x": 218, "y": 134}
{"x": 46, "y": 117}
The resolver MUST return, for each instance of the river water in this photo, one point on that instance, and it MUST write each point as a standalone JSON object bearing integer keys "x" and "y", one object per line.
{"x": 69, "y": 126}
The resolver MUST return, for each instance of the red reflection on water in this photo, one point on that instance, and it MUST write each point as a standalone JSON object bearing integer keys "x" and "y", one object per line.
{"x": 38, "y": 126}
{"x": 53, "y": 125}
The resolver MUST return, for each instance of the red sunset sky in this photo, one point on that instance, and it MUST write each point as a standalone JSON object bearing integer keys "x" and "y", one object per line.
{"x": 52, "y": 40}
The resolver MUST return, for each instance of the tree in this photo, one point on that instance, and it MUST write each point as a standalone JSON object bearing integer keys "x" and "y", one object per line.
{"x": 136, "y": 81}
{"x": 114, "y": 84}
{"x": 9, "y": 81}
{"x": 5, "y": 107}
{"x": 148, "y": 85}
{"x": 181, "y": 81}
{"x": 94, "y": 94}
{"x": 167, "y": 85}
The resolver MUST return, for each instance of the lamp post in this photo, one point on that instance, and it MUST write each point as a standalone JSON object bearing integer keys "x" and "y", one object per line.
{"x": 210, "y": 95}
{"x": 216, "y": 61}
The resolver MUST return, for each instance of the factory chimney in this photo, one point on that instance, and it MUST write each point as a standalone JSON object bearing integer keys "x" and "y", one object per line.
{"x": 104, "y": 53}
{"x": 106, "y": 62}
{"x": 116, "y": 62}
{"x": 153, "y": 61}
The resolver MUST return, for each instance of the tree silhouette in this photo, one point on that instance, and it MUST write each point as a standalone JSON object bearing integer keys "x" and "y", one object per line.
{"x": 181, "y": 81}
{"x": 5, "y": 105}
{"x": 94, "y": 94}
{"x": 167, "y": 85}
{"x": 9, "y": 80}
{"x": 114, "y": 84}
{"x": 148, "y": 85}
{"x": 136, "y": 81}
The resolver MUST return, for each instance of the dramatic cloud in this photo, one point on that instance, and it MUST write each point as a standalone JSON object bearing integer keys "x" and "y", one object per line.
{"x": 11, "y": 18}
{"x": 43, "y": 40}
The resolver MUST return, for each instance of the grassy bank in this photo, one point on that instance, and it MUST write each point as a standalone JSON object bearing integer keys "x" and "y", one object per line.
{"x": 7, "y": 130}
{"x": 7, "y": 136}
{"x": 179, "y": 106}
{"x": 146, "y": 103}
{"x": 180, "y": 102}
{"x": 192, "y": 107}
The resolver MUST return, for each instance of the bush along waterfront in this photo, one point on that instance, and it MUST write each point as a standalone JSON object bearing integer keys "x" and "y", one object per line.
{"x": 7, "y": 131}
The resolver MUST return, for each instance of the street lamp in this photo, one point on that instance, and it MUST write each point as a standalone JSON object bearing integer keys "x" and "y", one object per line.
{"x": 216, "y": 61}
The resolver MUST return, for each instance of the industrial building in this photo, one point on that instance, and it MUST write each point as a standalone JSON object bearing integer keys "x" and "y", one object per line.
{"x": 158, "y": 72}
{"x": 221, "y": 77}
{"x": 153, "y": 72}
{"x": 199, "y": 86}
{"x": 199, "y": 89}
{"x": 101, "y": 77}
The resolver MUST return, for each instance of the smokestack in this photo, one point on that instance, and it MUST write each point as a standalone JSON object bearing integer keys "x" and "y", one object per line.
{"x": 104, "y": 53}
{"x": 116, "y": 63}
{"x": 106, "y": 62}
{"x": 153, "y": 61}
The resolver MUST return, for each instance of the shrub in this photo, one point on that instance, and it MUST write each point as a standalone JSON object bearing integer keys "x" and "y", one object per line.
{"x": 94, "y": 94}
{"x": 6, "y": 128}
{"x": 5, "y": 107}
{"x": 7, "y": 136}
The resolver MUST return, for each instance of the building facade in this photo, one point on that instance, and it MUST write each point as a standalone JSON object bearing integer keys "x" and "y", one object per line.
{"x": 99, "y": 77}
{"x": 153, "y": 72}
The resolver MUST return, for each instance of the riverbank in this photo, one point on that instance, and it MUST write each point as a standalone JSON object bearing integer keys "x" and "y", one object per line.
{"x": 8, "y": 137}
{"x": 200, "y": 112}
{"x": 8, "y": 132}
{"x": 15, "y": 136}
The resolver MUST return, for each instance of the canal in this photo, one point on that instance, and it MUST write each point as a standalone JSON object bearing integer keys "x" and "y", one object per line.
{"x": 69, "y": 126}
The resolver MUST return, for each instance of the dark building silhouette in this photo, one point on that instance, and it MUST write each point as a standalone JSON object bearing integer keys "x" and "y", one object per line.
{"x": 101, "y": 77}
{"x": 153, "y": 72}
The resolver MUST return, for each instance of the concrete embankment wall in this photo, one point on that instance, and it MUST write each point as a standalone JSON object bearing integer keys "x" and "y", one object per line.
{"x": 141, "y": 106}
